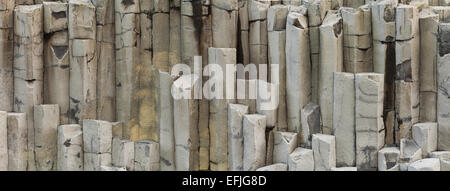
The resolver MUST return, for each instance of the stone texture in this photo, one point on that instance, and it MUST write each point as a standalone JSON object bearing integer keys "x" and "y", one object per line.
{"x": 254, "y": 142}
{"x": 324, "y": 148}
{"x": 331, "y": 60}
{"x": 46, "y": 125}
{"x": 301, "y": 159}
{"x": 370, "y": 131}
{"x": 388, "y": 159}
{"x": 146, "y": 155}
{"x": 443, "y": 101}
{"x": 344, "y": 118}
{"x": 224, "y": 23}
{"x": 108, "y": 168}
{"x": 70, "y": 148}
{"x": 409, "y": 153}
{"x": 403, "y": 110}
{"x": 97, "y": 144}
{"x": 236, "y": 113}
{"x": 344, "y": 169}
{"x": 7, "y": 51}
{"x": 82, "y": 20}
{"x": 284, "y": 144}
{"x": 274, "y": 167}
{"x": 123, "y": 154}
{"x": 3, "y": 141}
{"x": 444, "y": 157}
{"x": 311, "y": 124}
{"x": 55, "y": 16}
{"x": 166, "y": 128}
{"x": 425, "y": 135}
{"x": 431, "y": 164}
{"x": 17, "y": 142}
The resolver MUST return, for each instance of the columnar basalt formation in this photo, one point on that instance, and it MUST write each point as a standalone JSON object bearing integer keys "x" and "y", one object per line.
{"x": 443, "y": 72}
{"x": 17, "y": 142}
{"x": 45, "y": 126}
{"x": 3, "y": 141}
{"x": 70, "y": 148}
{"x": 97, "y": 144}
{"x": 7, "y": 51}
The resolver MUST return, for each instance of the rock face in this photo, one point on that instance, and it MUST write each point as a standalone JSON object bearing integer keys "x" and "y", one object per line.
{"x": 46, "y": 124}
{"x": 274, "y": 167}
{"x": 425, "y": 135}
{"x": 7, "y": 58}
{"x": 254, "y": 142}
{"x": 236, "y": 114}
{"x": 324, "y": 148}
{"x": 17, "y": 142}
{"x": 388, "y": 159}
{"x": 123, "y": 154}
{"x": 284, "y": 144}
{"x": 3, "y": 141}
{"x": 444, "y": 158}
{"x": 431, "y": 164}
{"x": 97, "y": 144}
{"x": 443, "y": 71}
{"x": 368, "y": 119}
{"x": 70, "y": 148}
{"x": 146, "y": 156}
{"x": 301, "y": 160}
{"x": 409, "y": 153}
{"x": 311, "y": 124}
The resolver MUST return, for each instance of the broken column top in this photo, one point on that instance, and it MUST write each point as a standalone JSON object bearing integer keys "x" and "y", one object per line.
{"x": 276, "y": 17}
{"x": 443, "y": 12}
{"x": 297, "y": 20}
{"x": 229, "y": 5}
{"x": 383, "y": 16}
{"x": 334, "y": 21}
{"x": 407, "y": 26}
{"x": 357, "y": 21}
{"x": 409, "y": 151}
{"x": 55, "y": 16}
{"x": 257, "y": 10}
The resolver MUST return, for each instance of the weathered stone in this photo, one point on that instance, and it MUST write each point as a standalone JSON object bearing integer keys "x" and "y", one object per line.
{"x": 146, "y": 155}
{"x": 274, "y": 167}
{"x": 254, "y": 142}
{"x": 443, "y": 73}
{"x": 3, "y": 141}
{"x": 70, "y": 148}
{"x": 236, "y": 113}
{"x": 370, "y": 131}
{"x": 383, "y": 16}
{"x": 7, "y": 50}
{"x": 276, "y": 18}
{"x": 324, "y": 148}
{"x": 444, "y": 157}
{"x": 270, "y": 144}
{"x": 117, "y": 130}
{"x": 267, "y": 101}
{"x": 425, "y": 135}
{"x": 354, "y": 3}
{"x": 224, "y": 24}
{"x": 82, "y": 21}
{"x": 409, "y": 153}
{"x": 123, "y": 153}
{"x": 258, "y": 39}
{"x": 331, "y": 60}
{"x": 301, "y": 159}
{"x": 55, "y": 16}
{"x": 443, "y": 12}
{"x": 407, "y": 22}
{"x": 344, "y": 169}
{"x": 108, "y": 168}
{"x": 17, "y": 142}
{"x": 344, "y": 118}
{"x": 403, "y": 110}
{"x": 45, "y": 126}
{"x": 388, "y": 159}
{"x": 431, "y": 164}
{"x": 166, "y": 131}
{"x": 298, "y": 70}
{"x": 185, "y": 122}
{"x": 284, "y": 144}
{"x": 28, "y": 67}
{"x": 246, "y": 94}
{"x": 311, "y": 124}
{"x": 97, "y": 143}
{"x": 160, "y": 32}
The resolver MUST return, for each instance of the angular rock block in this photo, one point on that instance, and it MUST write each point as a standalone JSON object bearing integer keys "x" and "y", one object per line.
{"x": 274, "y": 167}
{"x": 429, "y": 24}
{"x": 82, "y": 21}
{"x": 284, "y": 144}
{"x": 444, "y": 157}
{"x": 28, "y": 66}
{"x": 301, "y": 159}
{"x": 409, "y": 153}
{"x": 430, "y": 164}
{"x": 114, "y": 169}
{"x": 344, "y": 118}
{"x": 55, "y": 16}
{"x": 388, "y": 159}
{"x": 186, "y": 131}
{"x": 276, "y": 17}
{"x": 254, "y": 142}
{"x": 370, "y": 130}
{"x": 236, "y": 114}
{"x": 425, "y": 135}
{"x": 407, "y": 22}
{"x": 298, "y": 69}
{"x": 331, "y": 60}
{"x": 166, "y": 131}
{"x": 344, "y": 169}
{"x": 17, "y": 142}
{"x": 45, "y": 136}
{"x": 117, "y": 130}
{"x": 146, "y": 156}
{"x": 443, "y": 12}
{"x": 3, "y": 141}
{"x": 383, "y": 16}
{"x": 70, "y": 148}
{"x": 123, "y": 153}
{"x": 443, "y": 73}
{"x": 324, "y": 148}
{"x": 311, "y": 123}
{"x": 224, "y": 23}
{"x": 267, "y": 101}
{"x": 97, "y": 144}
{"x": 403, "y": 110}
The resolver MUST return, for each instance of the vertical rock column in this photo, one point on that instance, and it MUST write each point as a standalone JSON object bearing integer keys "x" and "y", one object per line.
{"x": 186, "y": 132}
{"x": 407, "y": 58}
{"x": 368, "y": 119}
{"x": 4, "y": 141}
{"x": 146, "y": 156}
{"x": 56, "y": 58}
{"x": 331, "y": 60}
{"x": 276, "y": 24}
{"x": 28, "y": 67}
{"x": 160, "y": 33}
{"x": 46, "y": 126}
{"x": 243, "y": 35}
{"x": 70, "y": 148}
{"x": 254, "y": 142}
{"x": 83, "y": 61}
{"x": 344, "y": 118}
{"x": 123, "y": 153}
{"x": 223, "y": 82}
{"x": 429, "y": 24}
{"x": 106, "y": 66}
{"x": 298, "y": 69}
{"x": 224, "y": 23}
{"x": 165, "y": 117}
{"x": 357, "y": 39}
{"x": 7, "y": 55}
{"x": 443, "y": 101}
{"x": 257, "y": 15}
{"x": 175, "y": 33}
{"x": 97, "y": 144}
{"x": 317, "y": 10}
{"x": 383, "y": 16}
{"x": 236, "y": 113}
{"x": 354, "y": 3}
{"x": 17, "y": 142}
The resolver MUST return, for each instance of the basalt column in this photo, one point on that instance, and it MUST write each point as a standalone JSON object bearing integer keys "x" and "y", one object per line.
{"x": 7, "y": 52}
{"x": 443, "y": 102}
{"x": 28, "y": 67}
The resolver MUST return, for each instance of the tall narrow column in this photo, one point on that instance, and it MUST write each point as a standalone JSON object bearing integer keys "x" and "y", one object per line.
{"x": 165, "y": 118}
{"x": 3, "y": 141}
{"x": 175, "y": 33}
{"x": 257, "y": 15}
{"x": 46, "y": 125}
{"x": 443, "y": 73}
{"x": 160, "y": 33}
{"x": 7, "y": 55}
{"x": 97, "y": 144}
{"x": 83, "y": 61}
{"x": 28, "y": 67}
{"x": 17, "y": 142}
{"x": 224, "y": 23}
{"x": 70, "y": 148}
{"x": 56, "y": 58}
{"x": 331, "y": 60}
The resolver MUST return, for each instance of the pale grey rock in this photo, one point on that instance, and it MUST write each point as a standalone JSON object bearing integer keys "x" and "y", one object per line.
{"x": 17, "y": 142}
{"x": 108, "y": 168}
{"x": 146, "y": 155}
{"x": 82, "y": 21}
{"x": 123, "y": 154}
{"x": 274, "y": 167}
{"x": 409, "y": 153}
{"x": 444, "y": 157}
{"x": 55, "y": 16}
{"x": 311, "y": 124}
{"x": 301, "y": 159}
{"x": 344, "y": 169}
{"x": 388, "y": 159}
{"x": 430, "y": 164}
{"x": 166, "y": 128}
{"x": 284, "y": 144}
{"x": 425, "y": 135}
{"x": 324, "y": 148}
{"x": 443, "y": 73}
{"x": 97, "y": 144}
{"x": 236, "y": 113}
{"x": 3, "y": 141}
{"x": 254, "y": 142}
{"x": 70, "y": 148}
{"x": 45, "y": 136}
